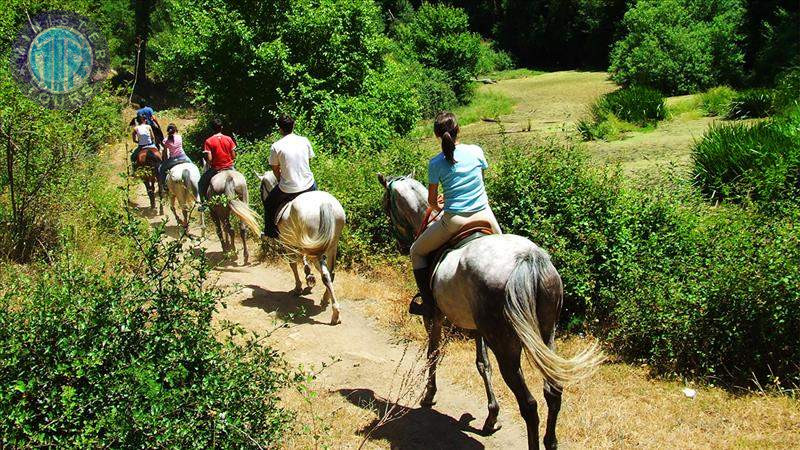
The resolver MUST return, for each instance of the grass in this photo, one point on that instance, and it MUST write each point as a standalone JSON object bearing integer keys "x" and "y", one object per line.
{"x": 514, "y": 74}
{"x": 484, "y": 104}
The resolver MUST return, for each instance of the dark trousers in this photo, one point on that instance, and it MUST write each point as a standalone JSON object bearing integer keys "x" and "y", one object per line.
{"x": 273, "y": 204}
{"x": 205, "y": 180}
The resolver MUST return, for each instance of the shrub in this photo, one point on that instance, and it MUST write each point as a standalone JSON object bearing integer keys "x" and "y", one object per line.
{"x": 680, "y": 46}
{"x": 50, "y": 160}
{"x": 131, "y": 360}
{"x": 752, "y": 103}
{"x": 717, "y": 101}
{"x": 740, "y": 161}
{"x": 691, "y": 290}
{"x": 439, "y": 37}
{"x": 623, "y": 110}
{"x": 787, "y": 90}
{"x": 636, "y": 104}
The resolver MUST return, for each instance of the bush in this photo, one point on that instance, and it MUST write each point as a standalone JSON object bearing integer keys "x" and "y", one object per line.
{"x": 50, "y": 161}
{"x": 636, "y": 104}
{"x": 131, "y": 360}
{"x": 439, "y": 37}
{"x": 738, "y": 161}
{"x": 787, "y": 90}
{"x": 667, "y": 281}
{"x": 623, "y": 110}
{"x": 752, "y": 103}
{"x": 717, "y": 101}
{"x": 259, "y": 56}
{"x": 680, "y": 46}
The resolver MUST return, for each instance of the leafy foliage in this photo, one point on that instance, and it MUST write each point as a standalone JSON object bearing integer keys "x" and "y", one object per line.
{"x": 680, "y": 46}
{"x": 701, "y": 292}
{"x": 439, "y": 37}
{"x": 623, "y": 110}
{"x": 740, "y": 161}
{"x": 787, "y": 90}
{"x": 751, "y": 103}
{"x": 717, "y": 101}
{"x": 132, "y": 360}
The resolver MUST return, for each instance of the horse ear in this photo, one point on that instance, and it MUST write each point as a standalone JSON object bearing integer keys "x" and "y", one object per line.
{"x": 382, "y": 179}
{"x": 413, "y": 173}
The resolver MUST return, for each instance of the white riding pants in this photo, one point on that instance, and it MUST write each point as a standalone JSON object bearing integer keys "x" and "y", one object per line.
{"x": 441, "y": 231}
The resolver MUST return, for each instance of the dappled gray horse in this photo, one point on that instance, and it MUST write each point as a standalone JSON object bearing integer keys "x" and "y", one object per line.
{"x": 227, "y": 193}
{"x": 506, "y": 289}
{"x": 310, "y": 227}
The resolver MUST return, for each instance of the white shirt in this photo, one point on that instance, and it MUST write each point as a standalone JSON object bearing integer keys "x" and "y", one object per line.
{"x": 292, "y": 153}
{"x": 143, "y": 132}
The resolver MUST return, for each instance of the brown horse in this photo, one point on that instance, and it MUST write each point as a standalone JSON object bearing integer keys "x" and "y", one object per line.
{"x": 145, "y": 167}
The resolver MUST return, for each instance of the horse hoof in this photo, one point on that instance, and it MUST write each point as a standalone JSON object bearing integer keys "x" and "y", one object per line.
{"x": 335, "y": 320}
{"x": 491, "y": 428}
{"x": 427, "y": 402}
{"x": 311, "y": 281}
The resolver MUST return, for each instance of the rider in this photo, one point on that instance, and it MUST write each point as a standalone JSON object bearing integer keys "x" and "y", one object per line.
{"x": 173, "y": 153}
{"x": 459, "y": 169}
{"x": 220, "y": 152}
{"x": 289, "y": 158}
{"x": 143, "y": 136}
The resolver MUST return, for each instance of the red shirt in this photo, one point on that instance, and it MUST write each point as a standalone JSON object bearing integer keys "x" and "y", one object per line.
{"x": 221, "y": 148}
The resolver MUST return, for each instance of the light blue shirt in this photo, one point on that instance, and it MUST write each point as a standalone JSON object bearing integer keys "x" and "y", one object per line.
{"x": 461, "y": 182}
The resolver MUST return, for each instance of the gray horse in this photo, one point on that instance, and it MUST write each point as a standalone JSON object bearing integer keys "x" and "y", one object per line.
{"x": 505, "y": 289}
{"x": 228, "y": 194}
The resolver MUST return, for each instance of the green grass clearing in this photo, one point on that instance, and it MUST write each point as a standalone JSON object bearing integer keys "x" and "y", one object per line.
{"x": 514, "y": 74}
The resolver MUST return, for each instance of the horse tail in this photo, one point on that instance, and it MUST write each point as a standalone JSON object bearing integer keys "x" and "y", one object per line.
{"x": 525, "y": 285}
{"x": 293, "y": 235}
{"x": 242, "y": 210}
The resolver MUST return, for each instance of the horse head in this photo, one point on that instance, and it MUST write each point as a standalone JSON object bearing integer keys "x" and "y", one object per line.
{"x": 404, "y": 202}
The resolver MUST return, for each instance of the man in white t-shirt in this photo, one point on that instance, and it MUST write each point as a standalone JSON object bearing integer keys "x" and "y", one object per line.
{"x": 289, "y": 157}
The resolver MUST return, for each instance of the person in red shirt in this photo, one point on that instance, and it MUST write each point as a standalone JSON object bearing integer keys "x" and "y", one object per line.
{"x": 220, "y": 152}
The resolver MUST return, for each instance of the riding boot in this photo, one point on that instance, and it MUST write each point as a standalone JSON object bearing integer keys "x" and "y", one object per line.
{"x": 425, "y": 308}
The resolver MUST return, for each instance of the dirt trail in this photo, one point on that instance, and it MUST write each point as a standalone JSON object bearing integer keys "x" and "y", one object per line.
{"x": 365, "y": 361}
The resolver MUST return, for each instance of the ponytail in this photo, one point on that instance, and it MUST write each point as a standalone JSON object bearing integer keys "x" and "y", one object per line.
{"x": 446, "y": 127}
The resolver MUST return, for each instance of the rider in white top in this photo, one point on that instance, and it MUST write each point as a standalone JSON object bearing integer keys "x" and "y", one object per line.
{"x": 143, "y": 136}
{"x": 291, "y": 154}
{"x": 290, "y": 160}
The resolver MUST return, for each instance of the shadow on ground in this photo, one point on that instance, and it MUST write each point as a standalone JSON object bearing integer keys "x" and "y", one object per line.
{"x": 414, "y": 428}
{"x": 286, "y": 305}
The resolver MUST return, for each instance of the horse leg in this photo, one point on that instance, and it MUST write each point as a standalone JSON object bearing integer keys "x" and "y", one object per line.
{"x": 298, "y": 285}
{"x": 218, "y": 226}
{"x": 310, "y": 280}
{"x": 434, "y": 327}
{"x": 151, "y": 194}
{"x": 330, "y": 256}
{"x": 160, "y": 197}
{"x": 243, "y": 234}
{"x": 327, "y": 280}
{"x": 230, "y": 235}
{"x": 508, "y": 354}
{"x": 485, "y": 369}
{"x": 172, "y": 207}
{"x": 552, "y": 395}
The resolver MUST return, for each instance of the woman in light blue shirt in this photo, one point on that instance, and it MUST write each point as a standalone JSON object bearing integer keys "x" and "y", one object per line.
{"x": 459, "y": 170}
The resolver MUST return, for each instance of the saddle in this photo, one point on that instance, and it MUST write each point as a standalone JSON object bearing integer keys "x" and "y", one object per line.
{"x": 468, "y": 233}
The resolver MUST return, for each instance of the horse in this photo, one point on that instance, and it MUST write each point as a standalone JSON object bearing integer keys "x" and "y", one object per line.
{"x": 145, "y": 167}
{"x": 310, "y": 227}
{"x": 227, "y": 193}
{"x": 505, "y": 290}
{"x": 181, "y": 181}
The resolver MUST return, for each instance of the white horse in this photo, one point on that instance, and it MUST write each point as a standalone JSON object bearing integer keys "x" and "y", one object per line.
{"x": 182, "y": 187}
{"x": 310, "y": 227}
{"x": 505, "y": 289}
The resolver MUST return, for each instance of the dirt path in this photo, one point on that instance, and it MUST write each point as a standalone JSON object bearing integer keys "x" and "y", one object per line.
{"x": 365, "y": 365}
